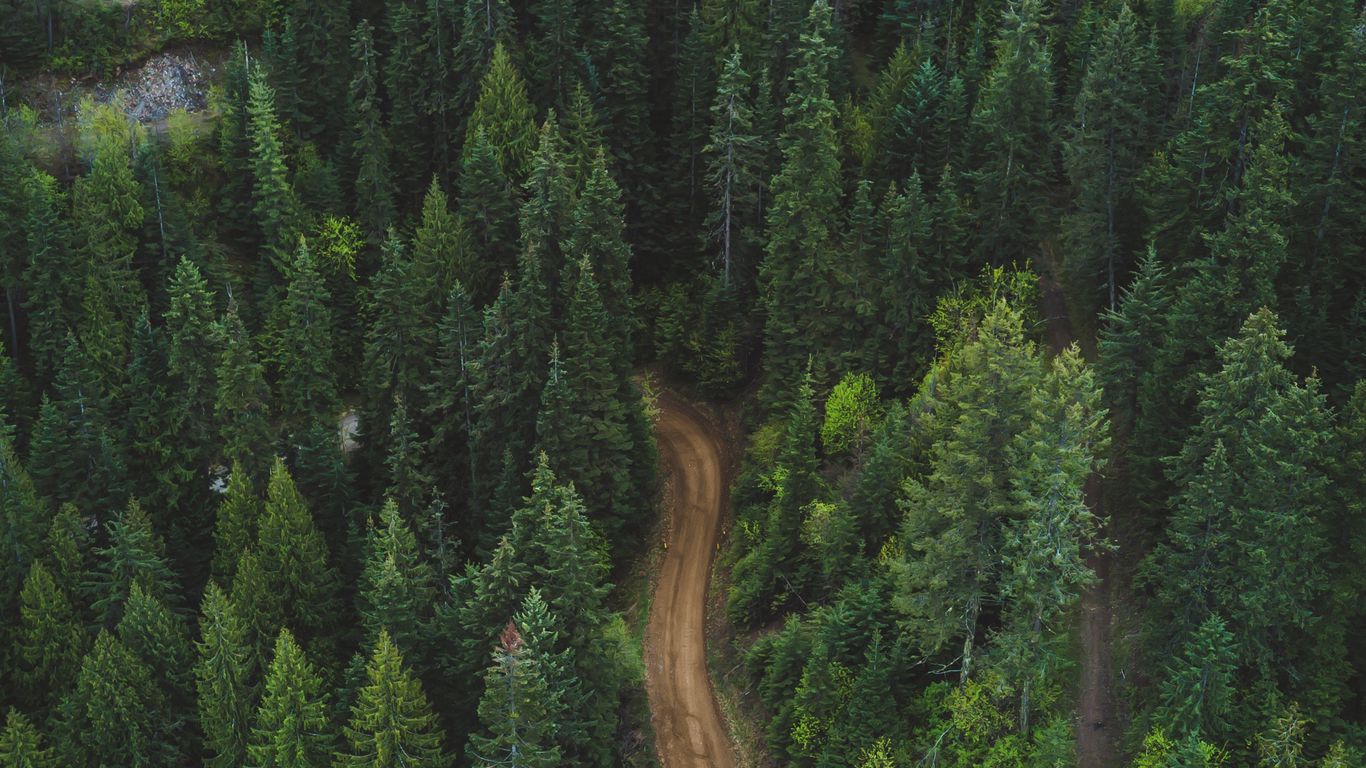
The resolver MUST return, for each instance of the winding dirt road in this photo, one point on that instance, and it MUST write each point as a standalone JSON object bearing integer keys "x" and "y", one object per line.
{"x": 688, "y": 725}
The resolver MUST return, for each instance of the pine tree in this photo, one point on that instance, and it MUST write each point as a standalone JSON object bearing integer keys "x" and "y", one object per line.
{"x": 21, "y": 745}
{"x": 21, "y": 521}
{"x": 397, "y": 589}
{"x": 162, "y": 467}
{"x": 50, "y": 639}
{"x": 488, "y": 214}
{"x": 235, "y": 527}
{"x": 921, "y": 124}
{"x": 374, "y": 187}
{"x": 513, "y": 711}
{"x": 409, "y": 95}
{"x": 771, "y": 573}
{"x": 1197, "y": 694}
{"x": 505, "y": 115}
{"x": 273, "y": 200}
{"x": 797, "y": 273}
{"x": 136, "y": 554}
{"x": 483, "y": 25}
{"x": 222, "y": 673}
{"x": 909, "y": 276}
{"x": 294, "y": 557}
{"x": 953, "y": 524}
{"x": 49, "y": 298}
{"x": 194, "y": 340}
{"x": 307, "y": 386}
{"x": 598, "y": 236}
{"x": 555, "y": 51}
{"x": 546, "y": 215}
{"x": 441, "y": 251}
{"x": 291, "y": 727}
{"x": 450, "y": 398}
{"x": 618, "y": 54}
{"x": 160, "y": 640}
{"x": 1247, "y": 535}
{"x": 734, "y": 157}
{"x": 582, "y": 424}
{"x": 693, "y": 88}
{"x": 410, "y": 483}
{"x": 1108, "y": 143}
{"x": 1011, "y": 123}
{"x": 242, "y": 404}
{"x": 392, "y": 724}
{"x": 400, "y": 340}
{"x": 117, "y": 715}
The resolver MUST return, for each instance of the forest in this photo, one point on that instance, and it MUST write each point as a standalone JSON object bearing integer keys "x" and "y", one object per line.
{"x": 1036, "y": 330}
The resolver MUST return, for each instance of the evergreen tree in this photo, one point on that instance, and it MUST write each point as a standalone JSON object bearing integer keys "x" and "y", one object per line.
{"x": 242, "y": 405}
{"x": 294, "y": 557}
{"x": 307, "y": 386}
{"x": 291, "y": 727}
{"x": 374, "y": 187}
{"x": 734, "y": 157}
{"x": 235, "y": 528}
{"x": 160, "y": 640}
{"x": 618, "y": 54}
{"x": 441, "y": 251}
{"x": 222, "y": 673}
{"x": 505, "y": 115}
{"x": 49, "y": 298}
{"x": 555, "y": 51}
{"x": 1108, "y": 143}
{"x": 397, "y": 590}
{"x": 598, "y": 236}
{"x": 21, "y": 745}
{"x": 1246, "y": 540}
{"x": 488, "y": 214}
{"x": 135, "y": 555}
{"x": 21, "y": 522}
{"x": 481, "y": 27}
{"x": 1011, "y": 124}
{"x": 400, "y": 340}
{"x": 117, "y": 715}
{"x": 409, "y": 94}
{"x": 194, "y": 339}
{"x": 162, "y": 467}
{"x": 273, "y": 200}
{"x": 50, "y": 639}
{"x": 450, "y": 398}
{"x": 513, "y": 711}
{"x": 797, "y": 275}
{"x": 391, "y": 722}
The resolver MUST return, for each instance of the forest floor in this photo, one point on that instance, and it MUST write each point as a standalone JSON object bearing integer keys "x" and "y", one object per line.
{"x": 687, "y": 721}
{"x": 1097, "y": 721}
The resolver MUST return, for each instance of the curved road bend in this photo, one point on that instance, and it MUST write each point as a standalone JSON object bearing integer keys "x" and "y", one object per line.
{"x": 687, "y": 721}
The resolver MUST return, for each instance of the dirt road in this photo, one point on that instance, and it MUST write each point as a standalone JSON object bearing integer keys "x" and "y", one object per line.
{"x": 687, "y": 723}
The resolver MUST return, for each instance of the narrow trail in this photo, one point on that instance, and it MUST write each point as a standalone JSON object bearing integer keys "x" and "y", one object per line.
{"x": 1097, "y": 726}
{"x": 687, "y": 721}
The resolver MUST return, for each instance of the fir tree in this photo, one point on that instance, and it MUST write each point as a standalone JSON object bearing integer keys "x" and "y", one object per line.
{"x": 449, "y": 397}
{"x": 441, "y": 252}
{"x": 374, "y": 188}
{"x": 291, "y": 727}
{"x": 397, "y": 590}
{"x": 135, "y": 555}
{"x": 117, "y": 715}
{"x": 50, "y": 639}
{"x": 488, "y": 214}
{"x": 21, "y": 745}
{"x": 160, "y": 640}
{"x": 391, "y": 722}
{"x": 797, "y": 273}
{"x": 222, "y": 673}
{"x": 294, "y": 556}
{"x": 515, "y": 724}
{"x": 242, "y": 405}
{"x": 505, "y": 115}
{"x": 734, "y": 155}
{"x": 273, "y": 201}
{"x": 307, "y": 387}
{"x": 194, "y": 339}
{"x": 555, "y": 51}
{"x": 1011, "y": 123}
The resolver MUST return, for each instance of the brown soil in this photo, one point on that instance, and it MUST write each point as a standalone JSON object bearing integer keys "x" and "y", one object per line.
{"x": 687, "y": 722}
{"x": 1097, "y": 726}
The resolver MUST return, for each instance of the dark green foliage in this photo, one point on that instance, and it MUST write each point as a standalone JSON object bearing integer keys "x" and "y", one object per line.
{"x": 504, "y": 115}
{"x": 242, "y": 405}
{"x": 397, "y": 588}
{"x": 294, "y": 558}
{"x": 135, "y": 555}
{"x": 307, "y": 386}
{"x": 273, "y": 201}
{"x": 50, "y": 639}
{"x": 374, "y": 189}
{"x": 116, "y": 715}
{"x": 21, "y": 745}
{"x": 488, "y": 214}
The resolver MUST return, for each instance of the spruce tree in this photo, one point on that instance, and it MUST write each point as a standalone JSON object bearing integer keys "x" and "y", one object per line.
{"x": 1108, "y": 142}
{"x": 136, "y": 554}
{"x": 400, "y": 340}
{"x": 21, "y": 521}
{"x": 307, "y": 386}
{"x": 555, "y": 48}
{"x": 397, "y": 589}
{"x": 235, "y": 527}
{"x": 242, "y": 403}
{"x": 488, "y": 214}
{"x": 392, "y": 724}
{"x": 1011, "y": 125}
{"x": 117, "y": 715}
{"x": 273, "y": 201}
{"x": 515, "y": 726}
{"x": 374, "y": 187}
{"x": 49, "y": 298}
{"x": 50, "y": 639}
{"x": 165, "y": 460}
{"x": 194, "y": 338}
{"x": 291, "y": 727}
{"x": 441, "y": 251}
{"x": 505, "y": 115}
{"x": 797, "y": 271}
{"x": 161, "y": 641}
{"x": 294, "y": 557}
{"x": 450, "y": 398}
{"x": 734, "y": 155}
{"x": 222, "y": 675}
{"x": 21, "y": 744}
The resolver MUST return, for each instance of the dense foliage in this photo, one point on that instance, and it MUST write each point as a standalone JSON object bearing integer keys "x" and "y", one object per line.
{"x": 321, "y": 441}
